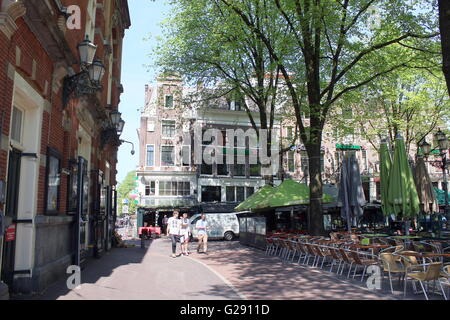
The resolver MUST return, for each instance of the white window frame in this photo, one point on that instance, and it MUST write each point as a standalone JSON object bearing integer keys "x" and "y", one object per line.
{"x": 174, "y": 153}
{"x": 22, "y": 130}
{"x": 168, "y": 138}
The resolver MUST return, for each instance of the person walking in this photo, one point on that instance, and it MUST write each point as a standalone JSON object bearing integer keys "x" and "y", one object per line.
{"x": 185, "y": 234}
{"x": 164, "y": 224}
{"x": 174, "y": 231}
{"x": 202, "y": 235}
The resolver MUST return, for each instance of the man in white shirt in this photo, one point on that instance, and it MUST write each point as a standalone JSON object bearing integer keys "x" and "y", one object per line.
{"x": 174, "y": 231}
{"x": 202, "y": 235}
{"x": 185, "y": 234}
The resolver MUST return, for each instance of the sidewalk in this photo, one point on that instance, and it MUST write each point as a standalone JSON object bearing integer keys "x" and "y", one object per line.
{"x": 229, "y": 271}
{"x": 144, "y": 274}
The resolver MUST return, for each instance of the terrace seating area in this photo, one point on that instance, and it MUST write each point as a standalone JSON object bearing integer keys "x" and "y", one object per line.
{"x": 422, "y": 266}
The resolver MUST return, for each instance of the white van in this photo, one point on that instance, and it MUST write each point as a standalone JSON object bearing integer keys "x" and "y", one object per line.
{"x": 221, "y": 225}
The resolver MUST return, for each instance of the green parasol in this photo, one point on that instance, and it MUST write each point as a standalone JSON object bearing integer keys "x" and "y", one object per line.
{"x": 402, "y": 193}
{"x": 385, "y": 167}
{"x": 289, "y": 193}
{"x": 255, "y": 199}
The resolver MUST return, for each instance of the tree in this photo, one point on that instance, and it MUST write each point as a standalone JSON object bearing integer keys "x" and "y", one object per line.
{"x": 409, "y": 102}
{"x": 335, "y": 47}
{"x": 124, "y": 190}
{"x": 444, "y": 25}
{"x": 207, "y": 46}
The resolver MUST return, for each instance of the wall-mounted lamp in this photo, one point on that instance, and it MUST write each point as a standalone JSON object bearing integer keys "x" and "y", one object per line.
{"x": 88, "y": 80}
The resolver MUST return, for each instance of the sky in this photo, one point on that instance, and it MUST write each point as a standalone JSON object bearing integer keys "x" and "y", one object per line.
{"x": 146, "y": 17}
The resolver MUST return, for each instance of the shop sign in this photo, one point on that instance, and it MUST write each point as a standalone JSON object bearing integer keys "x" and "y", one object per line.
{"x": 10, "y": 234}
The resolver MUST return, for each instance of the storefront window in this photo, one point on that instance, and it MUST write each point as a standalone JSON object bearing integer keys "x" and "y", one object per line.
{"x": 72, "y": 190}
{"x": 260, "y": 225}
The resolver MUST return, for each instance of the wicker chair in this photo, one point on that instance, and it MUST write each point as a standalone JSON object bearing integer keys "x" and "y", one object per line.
{"x": 431, "y": 273}
{"x": 392, "y": 265}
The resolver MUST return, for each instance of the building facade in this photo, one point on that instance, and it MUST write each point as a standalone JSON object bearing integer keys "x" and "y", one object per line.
{"x": 58, "y": 156}
{"x": 169, "y": 178}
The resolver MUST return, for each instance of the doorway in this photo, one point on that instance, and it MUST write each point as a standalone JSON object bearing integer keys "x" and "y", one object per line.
{"x": 12, "y": 201}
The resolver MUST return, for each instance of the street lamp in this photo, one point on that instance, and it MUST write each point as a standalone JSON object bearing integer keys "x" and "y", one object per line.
{"x": 92, "y": 70}
{"x": 443, "y": 145}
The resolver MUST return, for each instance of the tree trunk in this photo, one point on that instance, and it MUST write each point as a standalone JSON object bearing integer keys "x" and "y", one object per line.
{"x": 315, "y": 219}
{"x": 444, "y": 25}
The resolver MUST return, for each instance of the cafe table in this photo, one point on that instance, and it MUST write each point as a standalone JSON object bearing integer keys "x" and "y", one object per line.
{"x": 371, "y": 247}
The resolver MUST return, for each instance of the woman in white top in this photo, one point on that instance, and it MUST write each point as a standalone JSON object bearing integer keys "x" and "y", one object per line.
{"x": 185, "y": 234}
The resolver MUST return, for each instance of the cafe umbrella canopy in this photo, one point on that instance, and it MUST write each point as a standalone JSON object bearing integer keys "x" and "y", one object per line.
{"x": 351, "y": 194}
{"x": 385, "y": 167}
{"x": 424, "y": 186}
{"x": 254, "y": 199}
{"x": 289, "y": 193}
{"x": 402, "y": 193}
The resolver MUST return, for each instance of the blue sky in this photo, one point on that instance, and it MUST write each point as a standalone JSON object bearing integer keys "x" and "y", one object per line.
{"x": 146, "y": 17}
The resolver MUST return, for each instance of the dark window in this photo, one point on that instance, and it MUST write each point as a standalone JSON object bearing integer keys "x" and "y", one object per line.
{"x": 150, "y": 188}
{"x": 250, "y": 191}
{"x": 211, "y": 194}
{"x": 231, "y": 197}
{"x": 239, "y": 162}
{"x": 150, "y": 156}
{"x": 53, "y": 181}
{"x": 240, "y": 194}
{"x": 168, "y": 104}
{"x": 167, "y": 156}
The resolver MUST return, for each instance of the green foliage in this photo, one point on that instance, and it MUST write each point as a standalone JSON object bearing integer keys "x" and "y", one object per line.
{"x": 123, "y": 192}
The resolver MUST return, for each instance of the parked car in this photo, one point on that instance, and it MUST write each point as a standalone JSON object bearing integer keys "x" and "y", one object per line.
{"x": 221, "y": 226}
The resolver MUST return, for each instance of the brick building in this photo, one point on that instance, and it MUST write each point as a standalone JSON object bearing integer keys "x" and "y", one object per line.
{"x": 59, "y": 135}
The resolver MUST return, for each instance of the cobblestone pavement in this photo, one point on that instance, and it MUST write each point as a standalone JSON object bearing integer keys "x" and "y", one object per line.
{"x": 229, "y": 272}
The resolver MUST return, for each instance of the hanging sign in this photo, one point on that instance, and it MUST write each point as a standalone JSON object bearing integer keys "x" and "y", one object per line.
{"x": 10, "y": 234}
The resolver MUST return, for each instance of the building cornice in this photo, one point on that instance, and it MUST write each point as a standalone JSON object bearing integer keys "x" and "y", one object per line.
{"x": 7, "y": 19}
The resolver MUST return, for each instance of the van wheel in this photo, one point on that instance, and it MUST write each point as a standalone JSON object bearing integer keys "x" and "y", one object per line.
{"x": 228, "y": 236}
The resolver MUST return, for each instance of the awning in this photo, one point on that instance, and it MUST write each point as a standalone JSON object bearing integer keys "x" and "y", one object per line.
{"x": 255, "y": 199}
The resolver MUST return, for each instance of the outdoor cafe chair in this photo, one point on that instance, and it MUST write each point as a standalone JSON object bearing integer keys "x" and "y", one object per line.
{"x": 301, "y": 250}
{"x": 410, "y": 261}
{"x": 347, "y": 261}
{"x": 321, "y": 252}
{"x": 359, "y": 261}
{"x": 392, "y": 265}
{"x": 431, "y": 272}
{"x": 269, "y": 245}
{"x": 334, "y": 252}
{"x": 311, "y": 253}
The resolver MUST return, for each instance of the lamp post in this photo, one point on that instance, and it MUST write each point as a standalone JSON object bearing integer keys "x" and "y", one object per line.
{"x": 88, "y": 80}
{"x": 443, "y": 145}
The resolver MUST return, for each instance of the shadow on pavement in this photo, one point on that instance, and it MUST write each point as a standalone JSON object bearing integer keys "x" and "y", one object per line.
{"x": 98, "y": 268}
{"x": 258, "y": 276}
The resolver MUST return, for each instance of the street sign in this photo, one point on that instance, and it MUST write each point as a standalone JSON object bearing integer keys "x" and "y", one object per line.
{"x": 125, "y": 209}
{"x": 125, "y": 201}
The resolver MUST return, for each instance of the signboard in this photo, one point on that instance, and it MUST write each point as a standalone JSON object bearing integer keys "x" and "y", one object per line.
{"x": 10, "y": 234}
{"x": 347, "y": 147}
{"x": 125, "y": 209}
{"x": 125, "y": 201}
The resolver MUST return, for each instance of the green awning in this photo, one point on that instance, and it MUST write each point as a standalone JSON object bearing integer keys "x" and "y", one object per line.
{"x": 289, "y": 193}
{"x": 347, "y": 147}
{"x": 255, "y": 199}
